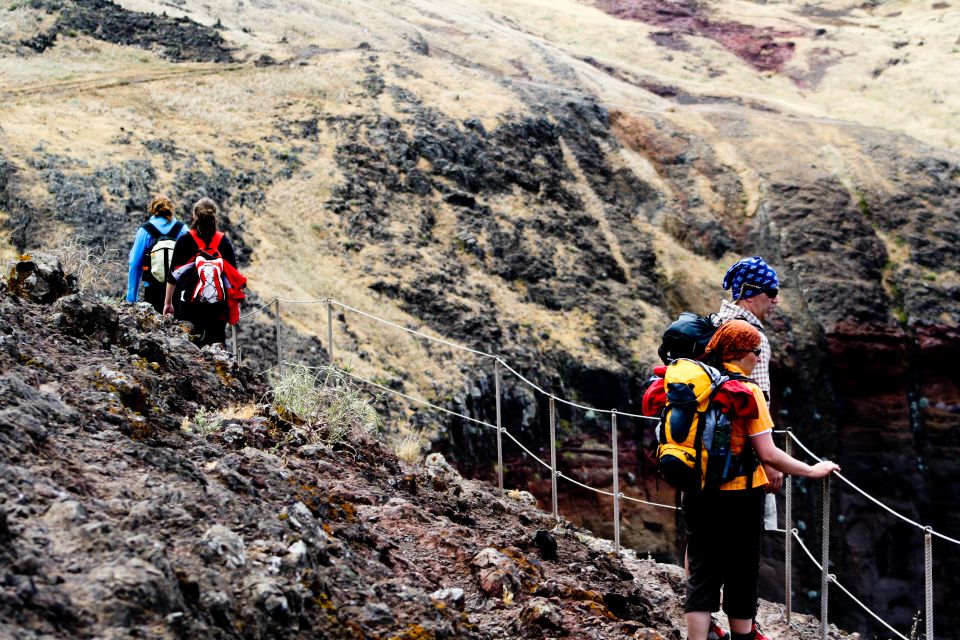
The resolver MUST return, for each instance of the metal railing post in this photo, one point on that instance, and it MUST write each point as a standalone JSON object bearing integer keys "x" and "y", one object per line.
{"x": 928, "y": 579}
{"x": 330, "y": 329}
{"x": 496, "y": 378}
{"x": 276, "y": 321}
{"x": 825, "y": 560}
{"x": 233, "y": 335}
{"x": 616, "y": 481}
{"x": 788, "y": 536}
{"x": 553, "y": 458}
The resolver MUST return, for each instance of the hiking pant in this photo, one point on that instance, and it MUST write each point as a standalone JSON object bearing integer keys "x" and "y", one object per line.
{"x": 154, "y": 293}
{"x": 209, "y": 320}
{"x": 724, "y": 529}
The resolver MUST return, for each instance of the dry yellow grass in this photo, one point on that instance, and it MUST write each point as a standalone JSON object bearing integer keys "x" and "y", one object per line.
{"x": 409, "y": 446}
{"x": 239, "y": 412}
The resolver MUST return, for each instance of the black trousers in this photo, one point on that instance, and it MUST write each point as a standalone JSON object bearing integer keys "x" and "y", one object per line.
{"x": 209, "y": 320}
{"x": 154, "y": 292}
{"x": 724, "y": 530}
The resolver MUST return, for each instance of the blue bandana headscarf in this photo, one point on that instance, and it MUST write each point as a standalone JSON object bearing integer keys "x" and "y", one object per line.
{"x": 753, "y": 272}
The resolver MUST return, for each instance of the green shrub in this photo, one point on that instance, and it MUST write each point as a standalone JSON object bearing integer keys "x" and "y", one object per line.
{"x": 203, "y": 424}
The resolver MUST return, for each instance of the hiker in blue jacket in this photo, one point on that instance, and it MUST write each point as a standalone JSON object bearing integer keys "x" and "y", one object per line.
{"x": 151, "y": 253}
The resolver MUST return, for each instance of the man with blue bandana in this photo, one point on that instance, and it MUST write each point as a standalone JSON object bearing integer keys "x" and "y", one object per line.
{"x": 755, "y": 291}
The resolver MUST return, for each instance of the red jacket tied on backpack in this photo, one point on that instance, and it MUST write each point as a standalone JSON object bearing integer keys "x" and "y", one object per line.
{"x": 213, "y": 277}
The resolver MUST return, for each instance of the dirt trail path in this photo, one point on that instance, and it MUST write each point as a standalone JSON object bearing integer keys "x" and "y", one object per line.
{"x": 112, "y": 79}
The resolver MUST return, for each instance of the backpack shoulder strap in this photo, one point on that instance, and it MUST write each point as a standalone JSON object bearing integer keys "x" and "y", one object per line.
{"x": 196, "y": 238}
{"x": 207, "y": 248}
{"x": 175, "y": 229}
{"x": 733, "y": 375}
{"x": 152, "y": 230}
{"x": 215, "y": 241}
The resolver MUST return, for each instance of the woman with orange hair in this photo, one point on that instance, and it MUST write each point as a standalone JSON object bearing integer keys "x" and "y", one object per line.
{"x": 724, "y": 525}
{"x": 152, "y": 251}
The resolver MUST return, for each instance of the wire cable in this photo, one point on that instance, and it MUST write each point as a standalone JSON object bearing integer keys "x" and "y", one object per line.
{"x": 414, "y": 399}
{"x": 461, "y": 347}
{"x": 568, "y": 402}
{"x": 525, "y": 450}
{"x": 317, "y": 301}
{"x": 413, "y": 331}
{"x": 833, "y": 579}
{"x": 255, "y": 311}
{"x": 871, "y": 498}
{"x": 488, "y": 425}
{"x": 536, "y": 387}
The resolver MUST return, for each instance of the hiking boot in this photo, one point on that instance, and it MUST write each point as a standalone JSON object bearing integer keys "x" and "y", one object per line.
{"x": 758, "y": 634}
{"x": 716, "y": 632}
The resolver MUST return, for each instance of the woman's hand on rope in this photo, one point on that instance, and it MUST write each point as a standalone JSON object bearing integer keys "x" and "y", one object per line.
{"x": 823, "y": 469}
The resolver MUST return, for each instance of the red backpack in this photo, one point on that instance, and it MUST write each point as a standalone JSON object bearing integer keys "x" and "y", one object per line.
{"x": 209, "y": 264}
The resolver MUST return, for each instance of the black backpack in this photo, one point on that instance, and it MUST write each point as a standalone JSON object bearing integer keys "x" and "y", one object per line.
{"x": 687, "y": 337}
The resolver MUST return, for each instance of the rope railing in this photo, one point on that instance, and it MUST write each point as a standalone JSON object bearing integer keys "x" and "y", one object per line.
{"x": 453, "y": 345}
{"x": 871, "y": 498}
{"x": 616, "y": 495}
{"x": 570, "y": 403}
{"x": 257, "y": 310}
{"x": 400, "y": 394}
{"x": 833, "y": 579}
{"x": 482, "y": 423}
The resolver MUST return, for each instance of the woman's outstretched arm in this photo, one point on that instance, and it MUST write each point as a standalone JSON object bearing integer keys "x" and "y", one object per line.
{"x": 769, "y": 453}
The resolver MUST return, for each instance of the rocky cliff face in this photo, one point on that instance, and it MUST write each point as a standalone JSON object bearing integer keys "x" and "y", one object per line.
{"x": 552, "y": 186}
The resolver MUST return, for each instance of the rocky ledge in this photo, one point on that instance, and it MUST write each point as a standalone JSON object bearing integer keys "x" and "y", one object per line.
{"x": 148, "y": 490}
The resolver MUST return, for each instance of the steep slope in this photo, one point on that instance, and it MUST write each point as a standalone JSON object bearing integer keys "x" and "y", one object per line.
{"x": 147, "y": 493}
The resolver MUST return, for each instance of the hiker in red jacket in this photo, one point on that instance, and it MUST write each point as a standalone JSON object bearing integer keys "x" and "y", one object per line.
{"x": 204, "y": 286}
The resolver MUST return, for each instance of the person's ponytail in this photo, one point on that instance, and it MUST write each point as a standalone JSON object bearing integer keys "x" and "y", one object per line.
{"x": 205, "y": 213}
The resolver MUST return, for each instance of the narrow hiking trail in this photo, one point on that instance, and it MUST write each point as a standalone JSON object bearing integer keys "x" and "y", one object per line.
{"x": 111, "y": 79}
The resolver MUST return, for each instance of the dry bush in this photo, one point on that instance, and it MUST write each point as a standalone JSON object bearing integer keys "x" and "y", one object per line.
{"x": 240, "y": 411}
{"x": 94, "y": 269}
{"x": 323, "y": 404}
{"x": 409, "y": 447}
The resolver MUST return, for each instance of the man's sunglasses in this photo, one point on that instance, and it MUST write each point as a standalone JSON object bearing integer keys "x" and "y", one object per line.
{"x": 772, "y": 292}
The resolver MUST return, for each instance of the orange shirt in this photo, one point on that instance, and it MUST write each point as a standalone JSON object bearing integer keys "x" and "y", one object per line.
{"x": 742, "y": 430}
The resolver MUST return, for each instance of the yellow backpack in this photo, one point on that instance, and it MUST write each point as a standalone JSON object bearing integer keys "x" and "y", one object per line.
{"x": 694, "y": 434}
